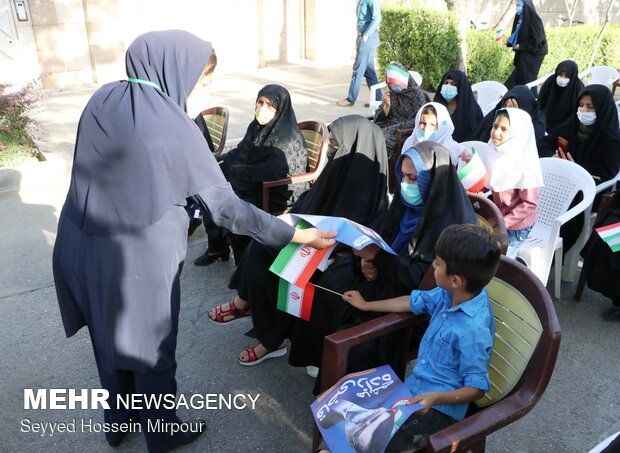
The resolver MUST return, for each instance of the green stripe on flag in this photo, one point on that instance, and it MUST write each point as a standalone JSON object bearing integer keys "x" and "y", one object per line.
{"x": 283, "y": 287}
{"x": 285, "y": 255}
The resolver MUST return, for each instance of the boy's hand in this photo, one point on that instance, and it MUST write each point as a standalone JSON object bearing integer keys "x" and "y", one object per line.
{"x": 355, "y": 299}
{"x": 425, "y": 399}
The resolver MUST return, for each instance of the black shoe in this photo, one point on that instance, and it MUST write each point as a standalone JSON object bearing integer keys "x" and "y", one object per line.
{"x": 612, "y": 314}
{"x": 195, "y": 223}
{"x": 197, "y": 427}
{"x": 206, "y": 258}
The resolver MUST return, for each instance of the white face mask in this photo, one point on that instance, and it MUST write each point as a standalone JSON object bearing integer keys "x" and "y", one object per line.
{"x": 562, "y": 81}
{"x": 586, "y": 118}
{"x": 197, "y": 101}
{"x": 264, "y": 115}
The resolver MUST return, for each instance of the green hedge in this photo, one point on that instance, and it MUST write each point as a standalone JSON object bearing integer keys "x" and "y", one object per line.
{"x": 423, "y": 40}
{"x": 488, "y": 60}
{"x": 428, "y": 42}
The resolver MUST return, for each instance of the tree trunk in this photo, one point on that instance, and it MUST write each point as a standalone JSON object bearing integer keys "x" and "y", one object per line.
{"x": 600, "y": 36}
{"x": 462, "y": 8}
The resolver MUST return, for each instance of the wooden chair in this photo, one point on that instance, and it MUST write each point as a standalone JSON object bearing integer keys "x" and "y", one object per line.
{"x": 527, "y": 340}
{"x": 316, "y": 136}
{"x": 216, "y": 119}
{"x": 488, "y": 214}
{"x": 401, "y": 136}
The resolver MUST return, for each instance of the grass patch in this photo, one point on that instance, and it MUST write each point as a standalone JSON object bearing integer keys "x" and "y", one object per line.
{"x": 15, "y": 153}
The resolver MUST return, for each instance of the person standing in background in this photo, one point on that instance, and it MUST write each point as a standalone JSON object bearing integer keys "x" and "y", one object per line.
{"x": 529, "y": 43}
{"x": 368, "y": 14}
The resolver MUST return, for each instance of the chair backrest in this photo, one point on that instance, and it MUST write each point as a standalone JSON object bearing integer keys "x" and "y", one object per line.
{"x": 562, "y": 181}
{"x": 605, "y": 75}
{"x": 488, "y": 93}
{"x": 216, "y": 119}
{"x": 539, "y": 81}
{"x": 417, "y": 77}
{"x": 316, "y": 136}
{"x": 488, "y": 213}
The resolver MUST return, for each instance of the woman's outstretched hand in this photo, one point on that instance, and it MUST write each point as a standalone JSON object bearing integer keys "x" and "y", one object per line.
{"x": 315, "y": 238}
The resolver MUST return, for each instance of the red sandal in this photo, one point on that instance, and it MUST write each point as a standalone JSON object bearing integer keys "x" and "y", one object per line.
{"x": 253, "y": 360}
{"x": 236, "y": 313}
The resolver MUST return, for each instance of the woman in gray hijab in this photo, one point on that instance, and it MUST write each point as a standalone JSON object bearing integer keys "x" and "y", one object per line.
{"x": 122, "y": 233}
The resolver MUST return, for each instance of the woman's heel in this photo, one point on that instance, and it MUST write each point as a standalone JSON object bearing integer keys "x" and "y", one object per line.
{"x": 205, "y": 259}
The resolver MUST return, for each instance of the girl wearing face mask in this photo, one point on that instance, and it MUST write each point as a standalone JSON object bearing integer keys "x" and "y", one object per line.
{"x": 399, "y": 105}
{"x": 559, "y": 94}
{"x": 515, "y": 177}
{"x": 433, "y": 123}
{"x": 454, "y": 92}
{"x": 529, "y": 43}
{"x": 272, "y": 148}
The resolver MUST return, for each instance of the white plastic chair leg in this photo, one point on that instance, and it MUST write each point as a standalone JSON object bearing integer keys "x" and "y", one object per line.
{"x": 558, "y": 273}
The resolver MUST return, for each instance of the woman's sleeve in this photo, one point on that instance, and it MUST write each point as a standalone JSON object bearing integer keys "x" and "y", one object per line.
{"x": 240, "y": 217}
{"x": 547, "y": 145}
{"x": 403, "y": 273}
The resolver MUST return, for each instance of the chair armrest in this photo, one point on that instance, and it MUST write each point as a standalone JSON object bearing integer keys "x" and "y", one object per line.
{"x": 582, "y": 206}
{"x": 296, "y": 179}
{"x": 605, "y": 185}
{"x": 462, "y": 435}
{"x": 337, "y": 345}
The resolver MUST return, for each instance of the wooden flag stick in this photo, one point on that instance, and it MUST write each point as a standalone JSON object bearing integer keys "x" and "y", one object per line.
{"x": 327, "y": 289}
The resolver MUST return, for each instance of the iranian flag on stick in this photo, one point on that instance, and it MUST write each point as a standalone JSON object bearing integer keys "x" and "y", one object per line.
{"x": 611, "y": 235}
{"x": 397, "y": 76}
{"x": 473, "y": 175}
{"x": 295, "y": 300}
{"x": 297, "y": 262}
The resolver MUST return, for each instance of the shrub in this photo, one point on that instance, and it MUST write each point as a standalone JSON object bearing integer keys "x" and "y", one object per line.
{"x": 423, "y": 40}
{"x": 488, "y": 60}
{"x": 15, "y": 107}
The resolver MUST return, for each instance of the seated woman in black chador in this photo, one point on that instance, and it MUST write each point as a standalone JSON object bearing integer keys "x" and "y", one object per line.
{"x": 519, "y": 97}
{"x": 399, "y": 105}
{"x": 591, "y": 138}
{"x": 352, "y": 185}
{"x": 454, "y": 91}
{"x": 273, "y": 147}
{"x": 430, "y": 198}
{"x": 558, "y": 94}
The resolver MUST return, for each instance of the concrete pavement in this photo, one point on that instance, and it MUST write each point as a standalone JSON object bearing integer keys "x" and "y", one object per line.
{"x": 580, "y": 407}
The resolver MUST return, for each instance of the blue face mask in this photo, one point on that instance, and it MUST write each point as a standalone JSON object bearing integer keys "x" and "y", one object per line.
{"x": 519, "y": 8}
{"x": 449, "y": 92}
{"x": 410, "y": 194}
{"x": 395, "y": 87}
{"x": 424, "y": 135}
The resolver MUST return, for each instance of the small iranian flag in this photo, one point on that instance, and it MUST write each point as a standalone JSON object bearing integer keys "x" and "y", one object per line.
{"x": 499, "y": 34}
{"x": 297, "y": 262}
{"x": 611, "y": 235}
{"x": 397, "y": 76}
{"x": 295, "y": 300}
{"x": 473, "y": 175}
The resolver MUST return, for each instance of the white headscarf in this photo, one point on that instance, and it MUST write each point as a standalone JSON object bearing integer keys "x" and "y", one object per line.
{"x": 515, "y": 163}
{"x": 443, "y": 136}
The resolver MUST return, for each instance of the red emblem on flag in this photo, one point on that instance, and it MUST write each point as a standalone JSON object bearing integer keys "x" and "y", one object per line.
{"x": 305, "y": 251}
{"x": 295, "y": 296}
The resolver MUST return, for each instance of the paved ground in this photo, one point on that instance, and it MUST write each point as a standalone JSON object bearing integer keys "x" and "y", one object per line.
{"x": 579, "y": 409}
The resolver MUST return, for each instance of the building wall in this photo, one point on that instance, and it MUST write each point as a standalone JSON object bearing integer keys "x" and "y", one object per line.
{"x": 69, "y": 43}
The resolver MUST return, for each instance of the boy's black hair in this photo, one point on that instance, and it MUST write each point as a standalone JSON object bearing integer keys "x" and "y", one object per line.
{"x": 471, "y": 252}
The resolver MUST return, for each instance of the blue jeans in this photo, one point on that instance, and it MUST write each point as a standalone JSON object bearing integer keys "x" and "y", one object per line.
{"x": 516, "y": 238}
{"x": 364, "y": 65}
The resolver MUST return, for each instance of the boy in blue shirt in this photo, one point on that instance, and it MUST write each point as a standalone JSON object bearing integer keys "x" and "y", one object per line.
{"x": 455, "y": 351}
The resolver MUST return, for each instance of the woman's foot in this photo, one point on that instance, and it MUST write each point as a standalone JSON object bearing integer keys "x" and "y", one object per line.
{"x": 231, "y": 311}
{"x": 211, "y": 257}
{"x": 612, "y": 314}
{"x": 259, "y": 353}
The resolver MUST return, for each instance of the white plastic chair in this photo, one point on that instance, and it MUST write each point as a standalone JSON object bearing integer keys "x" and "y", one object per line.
{"x": 373, "y": 104}
{"x": 604, "y": 75}
{"x": 488, "y": 93}
{"x": 539, "y": 81}
{"x": 571, "y": 259}
{"x": 562, "y": 181}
